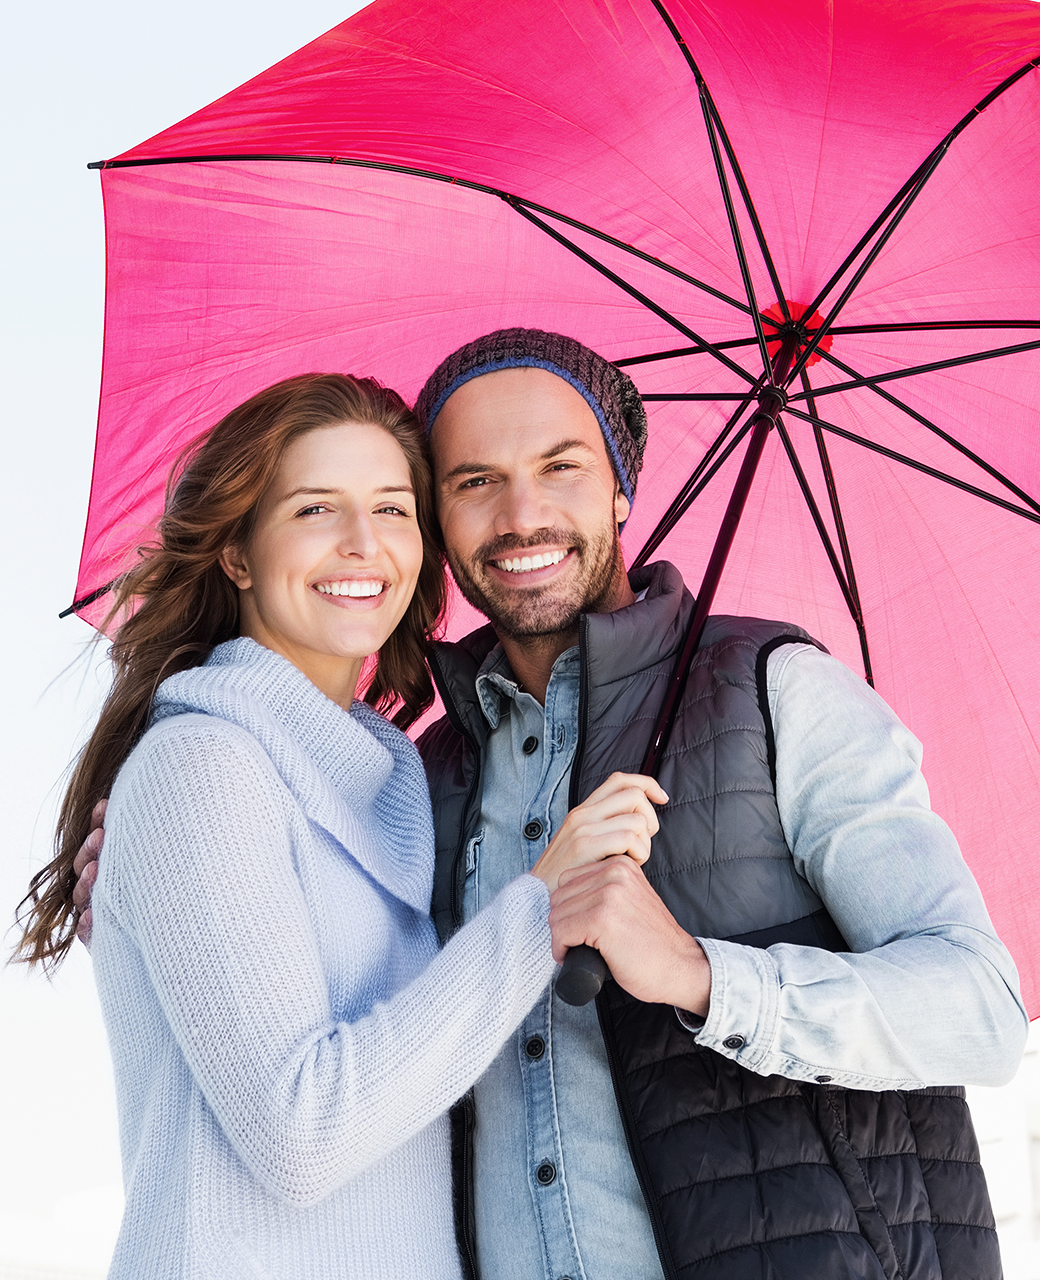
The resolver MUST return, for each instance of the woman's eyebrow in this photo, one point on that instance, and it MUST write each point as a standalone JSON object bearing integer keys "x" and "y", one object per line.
{"x": 314, "y": 491}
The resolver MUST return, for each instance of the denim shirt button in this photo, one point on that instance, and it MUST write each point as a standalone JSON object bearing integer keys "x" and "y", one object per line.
{"x": 530, "y": 746}
{"x": 533, "y": 830}
{"x": 535, "y": 1047}
{"x": 733, "y": 1042}
{"x": 546, "y": 1173}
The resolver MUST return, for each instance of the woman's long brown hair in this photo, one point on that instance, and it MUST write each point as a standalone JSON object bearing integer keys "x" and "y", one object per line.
{"x": 177, "y": 604}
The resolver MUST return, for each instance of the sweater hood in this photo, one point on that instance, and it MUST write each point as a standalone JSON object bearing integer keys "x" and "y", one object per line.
{"x": 337, "y": 765}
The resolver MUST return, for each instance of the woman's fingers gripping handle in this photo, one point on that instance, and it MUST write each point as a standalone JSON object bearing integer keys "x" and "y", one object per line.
{"x": 617, "y": 818}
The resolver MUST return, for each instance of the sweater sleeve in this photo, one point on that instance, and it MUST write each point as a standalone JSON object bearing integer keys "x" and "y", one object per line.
{"x": 199, "y": 870}
{"x": 927, "y": 993}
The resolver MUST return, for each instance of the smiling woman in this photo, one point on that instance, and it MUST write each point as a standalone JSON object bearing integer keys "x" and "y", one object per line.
{"x": 287, "y": 1038}
{"x": 333, "y": 559}
{"x": 184, "y": 597}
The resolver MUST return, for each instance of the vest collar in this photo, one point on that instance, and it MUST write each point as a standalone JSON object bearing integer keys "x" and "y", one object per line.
{"x": 617, "y": 646}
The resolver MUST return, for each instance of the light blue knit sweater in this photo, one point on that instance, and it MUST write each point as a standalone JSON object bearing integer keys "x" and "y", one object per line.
{"x": 285, "y": 1034}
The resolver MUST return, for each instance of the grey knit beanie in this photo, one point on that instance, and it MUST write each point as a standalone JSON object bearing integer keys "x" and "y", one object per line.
{"x": 609, "y": 393}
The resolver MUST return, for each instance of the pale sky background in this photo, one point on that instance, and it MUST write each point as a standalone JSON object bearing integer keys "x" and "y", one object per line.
{"x": 80, "y": 82}
{"x": 83, "y": 82}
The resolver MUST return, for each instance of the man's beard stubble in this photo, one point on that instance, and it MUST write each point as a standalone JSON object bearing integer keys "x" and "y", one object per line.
{"x": 529, "y": 613}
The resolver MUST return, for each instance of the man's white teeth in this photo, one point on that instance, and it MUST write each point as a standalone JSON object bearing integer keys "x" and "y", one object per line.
{"x": 524, "y": 564}
{"x": 350, "y": 588}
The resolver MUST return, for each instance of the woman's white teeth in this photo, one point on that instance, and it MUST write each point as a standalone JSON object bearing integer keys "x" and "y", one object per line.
{"x": 524, "y": 564}
{"x": 350, "y": 588}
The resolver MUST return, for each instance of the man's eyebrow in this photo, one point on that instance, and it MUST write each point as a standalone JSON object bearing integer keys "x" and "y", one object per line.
{"x": 565, "y": 446}
{"x": 482, "y": 468}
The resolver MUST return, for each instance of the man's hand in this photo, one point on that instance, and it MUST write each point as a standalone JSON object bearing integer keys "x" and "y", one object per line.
{"x": 618, "y": 818}
{"x": 611, "y": 906}
{"x": 85, "y": 866}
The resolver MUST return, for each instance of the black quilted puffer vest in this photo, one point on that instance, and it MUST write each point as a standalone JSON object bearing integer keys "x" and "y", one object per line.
{"x": 745, "y": 1177}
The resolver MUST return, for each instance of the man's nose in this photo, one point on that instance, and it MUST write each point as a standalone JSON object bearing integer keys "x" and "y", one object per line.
{"x": 522, "y": 508}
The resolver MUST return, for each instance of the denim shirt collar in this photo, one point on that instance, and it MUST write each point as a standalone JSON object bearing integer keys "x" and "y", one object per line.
{"x": 496, "y": 683}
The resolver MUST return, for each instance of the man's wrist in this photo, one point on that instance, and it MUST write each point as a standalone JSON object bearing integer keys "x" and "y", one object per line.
{"x": 695, "y": 993}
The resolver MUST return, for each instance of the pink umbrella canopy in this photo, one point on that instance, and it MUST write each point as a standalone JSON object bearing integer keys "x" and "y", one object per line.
{"x": 677, "y": 186}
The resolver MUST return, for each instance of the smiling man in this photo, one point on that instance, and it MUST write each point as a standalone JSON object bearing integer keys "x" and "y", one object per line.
{"x": 530, "y": 530}
{"x": 806, "y": 970}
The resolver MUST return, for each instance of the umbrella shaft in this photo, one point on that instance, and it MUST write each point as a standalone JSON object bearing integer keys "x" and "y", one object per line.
{"x": 771, "y": 400}
{"x": 763, "y": 423}
{"x": 584, "y": 970}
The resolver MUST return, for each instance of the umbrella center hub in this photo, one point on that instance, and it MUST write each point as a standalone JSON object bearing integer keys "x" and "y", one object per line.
{"x": 789, "y": 318}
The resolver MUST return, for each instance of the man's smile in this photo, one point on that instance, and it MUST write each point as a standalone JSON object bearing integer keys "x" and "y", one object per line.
{"x": 523, "y": 564}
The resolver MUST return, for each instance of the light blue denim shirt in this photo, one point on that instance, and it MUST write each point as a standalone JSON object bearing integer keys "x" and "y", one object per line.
{"x": 556, "y": 1194}
{"x": 555, "y": 1191}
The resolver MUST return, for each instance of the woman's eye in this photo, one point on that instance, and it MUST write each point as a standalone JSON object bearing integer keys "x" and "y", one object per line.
{"x": 391, "y": 511}
{"x": 316, "y": 509}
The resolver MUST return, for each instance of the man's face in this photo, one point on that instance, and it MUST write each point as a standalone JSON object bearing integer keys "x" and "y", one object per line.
{"x": 528, "y": 502}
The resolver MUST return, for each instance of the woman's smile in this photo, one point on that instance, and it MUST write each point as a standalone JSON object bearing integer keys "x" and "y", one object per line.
{"x": 334, "y": 556}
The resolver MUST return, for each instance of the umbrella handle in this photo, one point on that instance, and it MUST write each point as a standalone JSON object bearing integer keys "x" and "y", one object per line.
{"x": 582, "y": 976}
{"x": 584, "y": 969}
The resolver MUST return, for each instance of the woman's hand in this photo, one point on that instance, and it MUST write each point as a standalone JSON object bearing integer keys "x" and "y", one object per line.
{"x": 618, "y": 818}
{"x": 86, "y": 868}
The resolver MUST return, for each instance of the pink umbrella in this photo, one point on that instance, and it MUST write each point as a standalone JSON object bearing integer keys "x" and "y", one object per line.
{"x": 681, "y": 188}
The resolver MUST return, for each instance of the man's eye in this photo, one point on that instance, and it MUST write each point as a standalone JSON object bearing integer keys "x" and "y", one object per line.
{"x": 474, "y": 482}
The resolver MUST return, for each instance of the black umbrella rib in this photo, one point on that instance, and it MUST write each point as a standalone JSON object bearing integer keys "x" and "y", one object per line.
{"x": 712, "y": 116}
{"x": 871, "y": 380}
{"x": 924, "y": 326}
{"x": 434, "y": 176}
{"x": 630, "y": 289}
{"x": 697, "y": 481}
{"x": 952, "y": 441}
{"x": 669, "y": 396}
{"x": 690, "y": 493}
{"x": 904, "y": 197}
{"x": 900, "y": 213}
{"x": 681, "y": 351}
{"x": 631, "y": 249}
{"x": 856, "y": 608}
{"x": 851, "y": 598}
{"x": 923, "y": 467}
{"x": 731, "y": 216}
{"x": 89, "y": 598}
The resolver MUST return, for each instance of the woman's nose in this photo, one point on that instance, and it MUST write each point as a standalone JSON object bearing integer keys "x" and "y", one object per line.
{"x": 358, "y": 536}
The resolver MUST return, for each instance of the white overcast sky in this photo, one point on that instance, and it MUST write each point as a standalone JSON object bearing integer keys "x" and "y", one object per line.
{"x": 81, "y": 82}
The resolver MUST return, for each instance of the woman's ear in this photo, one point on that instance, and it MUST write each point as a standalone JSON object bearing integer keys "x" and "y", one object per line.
{"x": 233, "y": 562}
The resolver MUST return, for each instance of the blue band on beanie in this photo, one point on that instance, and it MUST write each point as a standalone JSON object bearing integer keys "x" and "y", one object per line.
{"x": 530, "y": 362}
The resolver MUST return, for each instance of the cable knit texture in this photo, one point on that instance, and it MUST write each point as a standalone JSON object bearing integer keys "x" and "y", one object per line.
{"x": 286, "y": 1035}
{"x": 609, "y": 392}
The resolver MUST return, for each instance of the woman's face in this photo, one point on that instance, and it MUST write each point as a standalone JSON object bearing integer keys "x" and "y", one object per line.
{"x": 334, "y": 557}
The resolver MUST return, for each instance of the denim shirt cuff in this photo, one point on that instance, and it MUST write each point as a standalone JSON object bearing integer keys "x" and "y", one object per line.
{"x": 744, "y": 1009}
